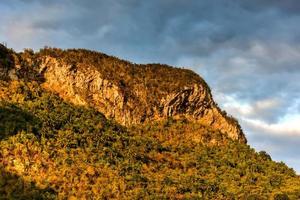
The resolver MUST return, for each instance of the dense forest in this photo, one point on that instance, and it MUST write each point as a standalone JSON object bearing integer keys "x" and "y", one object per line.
{"x": 51, "y": 148}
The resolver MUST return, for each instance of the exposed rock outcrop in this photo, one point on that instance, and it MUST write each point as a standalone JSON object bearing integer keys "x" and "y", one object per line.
{"x": 126, "y": 92}
{"x": 196, "y": 103}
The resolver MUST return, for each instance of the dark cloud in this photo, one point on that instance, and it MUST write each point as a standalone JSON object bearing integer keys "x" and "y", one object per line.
{"x": 288, "y": 6}
{"x": 196, "y": 28}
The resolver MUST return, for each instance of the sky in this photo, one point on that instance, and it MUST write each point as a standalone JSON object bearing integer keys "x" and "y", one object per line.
{"x": 247, "y": 51}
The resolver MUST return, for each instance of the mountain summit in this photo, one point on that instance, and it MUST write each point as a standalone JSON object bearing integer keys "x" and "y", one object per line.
{"x": 126, "y": 92}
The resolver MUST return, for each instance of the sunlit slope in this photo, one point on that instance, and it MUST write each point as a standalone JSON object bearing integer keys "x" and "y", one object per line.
{"x": 60, "y": 150}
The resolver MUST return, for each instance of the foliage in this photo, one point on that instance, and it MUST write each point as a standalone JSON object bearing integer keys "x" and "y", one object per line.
{"x": 15, "y": 187}
{"x": 57, "y": 150}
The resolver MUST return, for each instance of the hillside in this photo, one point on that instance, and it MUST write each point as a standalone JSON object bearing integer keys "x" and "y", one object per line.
{"x": 77, "y": 124}
{"x": 126, "y": 92}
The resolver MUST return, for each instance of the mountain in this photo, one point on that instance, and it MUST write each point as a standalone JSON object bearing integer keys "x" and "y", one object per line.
{"x": 78, "y": 124}
{"x": 126, "y": 92}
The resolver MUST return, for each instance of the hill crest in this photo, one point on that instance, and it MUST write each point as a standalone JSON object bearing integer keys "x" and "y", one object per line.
{"x": 126, "y": 92}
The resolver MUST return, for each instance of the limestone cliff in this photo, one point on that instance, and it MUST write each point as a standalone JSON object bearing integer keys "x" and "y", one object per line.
{"x": 126, "y": 92}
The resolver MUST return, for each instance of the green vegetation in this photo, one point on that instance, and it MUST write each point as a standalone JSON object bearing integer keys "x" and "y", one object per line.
{"x": 50, "y": 149}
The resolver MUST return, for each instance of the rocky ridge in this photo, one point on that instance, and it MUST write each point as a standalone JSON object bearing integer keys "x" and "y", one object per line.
{"x": 129, "y": 93}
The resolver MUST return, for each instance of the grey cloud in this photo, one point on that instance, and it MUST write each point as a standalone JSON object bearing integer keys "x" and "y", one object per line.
{"x": 196, "y": 28}
{"x": 213, "y": 31}
{"x": 161, "y": 31}
{"x": 280, "y": 147}
{"x": 289, "y": 6}
{"x": 253, "y": 74}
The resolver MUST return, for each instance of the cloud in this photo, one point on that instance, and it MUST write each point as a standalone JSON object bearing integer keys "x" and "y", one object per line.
{"x": 265, "y": 109}
{"x": 288, "y": 126}
{"x": 280, "y": 140}
{"x": 280, "y": 137}
{"x": 289, "y": 6}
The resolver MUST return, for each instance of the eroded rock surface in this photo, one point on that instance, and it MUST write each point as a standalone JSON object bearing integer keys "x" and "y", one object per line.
{"x": 123, "y": 91}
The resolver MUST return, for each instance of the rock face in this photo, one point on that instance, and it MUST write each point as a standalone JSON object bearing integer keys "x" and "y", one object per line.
{"x": 196, "y": 103}
{"x": 123, "y": 91}
{"x": 85, "y": 86}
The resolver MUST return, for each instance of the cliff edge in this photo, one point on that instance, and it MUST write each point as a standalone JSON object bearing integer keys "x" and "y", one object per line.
{"x": 126, "y": 92}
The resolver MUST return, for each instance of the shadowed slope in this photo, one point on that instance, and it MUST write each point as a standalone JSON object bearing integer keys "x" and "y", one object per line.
{"x": 13, "y": 186}
{"x": 13, "y": 119}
